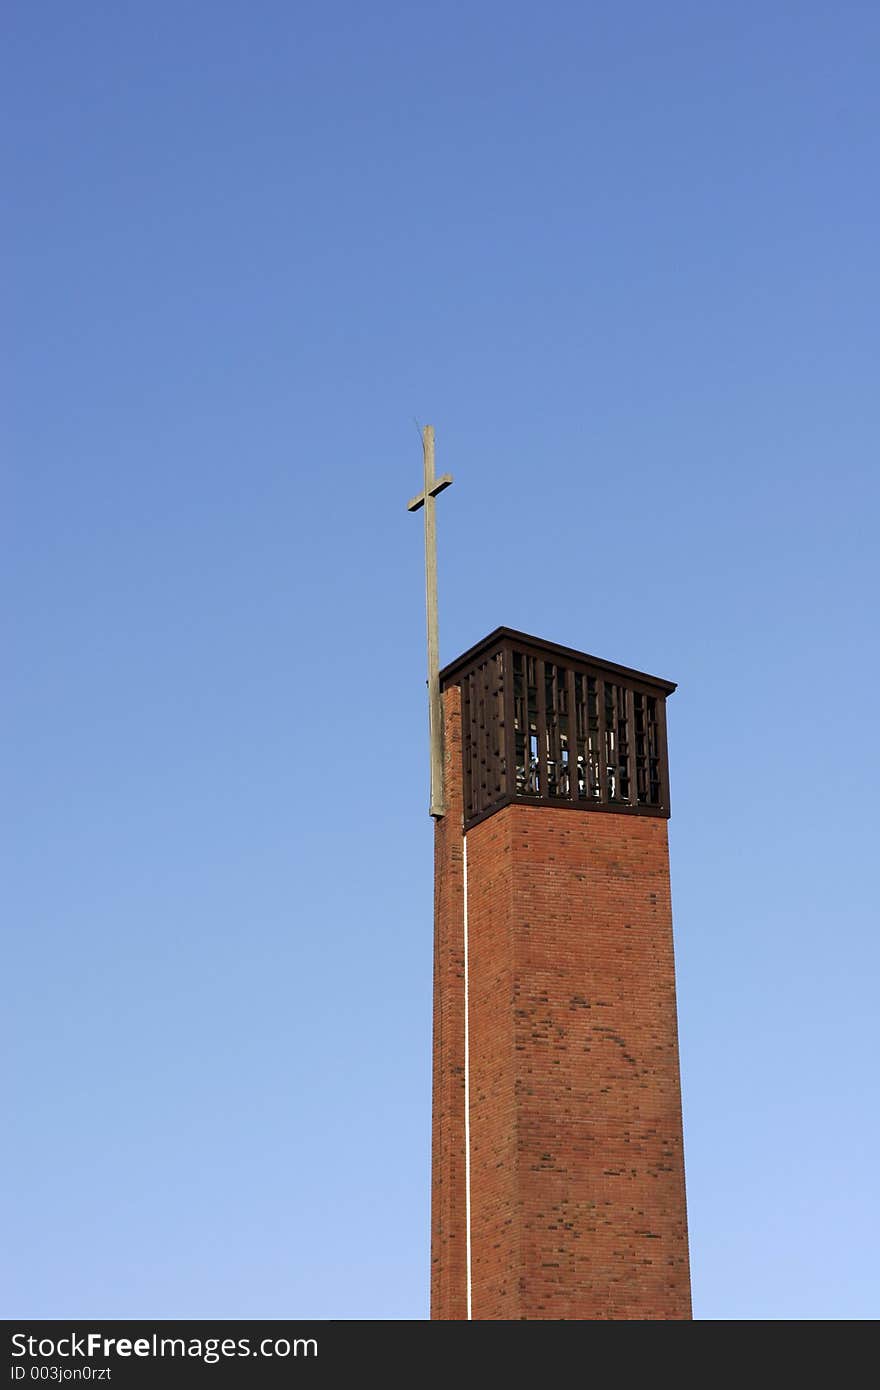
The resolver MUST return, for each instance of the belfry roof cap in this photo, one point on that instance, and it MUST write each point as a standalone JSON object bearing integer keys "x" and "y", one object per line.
{"x": 536, "y": 646}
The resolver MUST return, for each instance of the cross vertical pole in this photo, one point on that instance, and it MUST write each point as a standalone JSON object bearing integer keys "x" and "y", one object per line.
{"x": 435, "y": 709}
{"x": 427, "y": 499}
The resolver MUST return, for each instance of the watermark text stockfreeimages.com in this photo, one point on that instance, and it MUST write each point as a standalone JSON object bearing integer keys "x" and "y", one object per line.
{"x": 97, "y": 1346}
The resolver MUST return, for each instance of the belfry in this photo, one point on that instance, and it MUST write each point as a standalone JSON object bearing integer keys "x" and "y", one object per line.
{"x": 557, "y": 1162}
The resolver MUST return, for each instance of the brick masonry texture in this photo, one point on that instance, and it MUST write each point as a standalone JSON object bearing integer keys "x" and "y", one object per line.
{"x": 577, "y": 1171}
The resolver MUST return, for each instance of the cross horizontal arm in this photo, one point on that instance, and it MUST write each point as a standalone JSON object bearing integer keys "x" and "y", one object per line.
{"x": 440, "y": 486}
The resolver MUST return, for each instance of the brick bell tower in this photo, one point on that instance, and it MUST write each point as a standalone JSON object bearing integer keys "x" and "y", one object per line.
{"x": 557, "y": 1164}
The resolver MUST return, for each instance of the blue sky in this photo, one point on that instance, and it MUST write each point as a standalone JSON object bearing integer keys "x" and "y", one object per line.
{"x": 623, "y": 257}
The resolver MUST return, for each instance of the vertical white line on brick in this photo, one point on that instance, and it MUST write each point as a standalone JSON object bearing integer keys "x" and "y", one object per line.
{"x": 467, "y": 1092}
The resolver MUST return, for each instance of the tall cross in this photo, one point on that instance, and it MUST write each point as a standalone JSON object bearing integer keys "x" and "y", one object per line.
{"x": 433, "y": 487}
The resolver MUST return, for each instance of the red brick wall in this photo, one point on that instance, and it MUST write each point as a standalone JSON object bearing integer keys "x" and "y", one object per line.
{"x": 577, "y": 1176}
